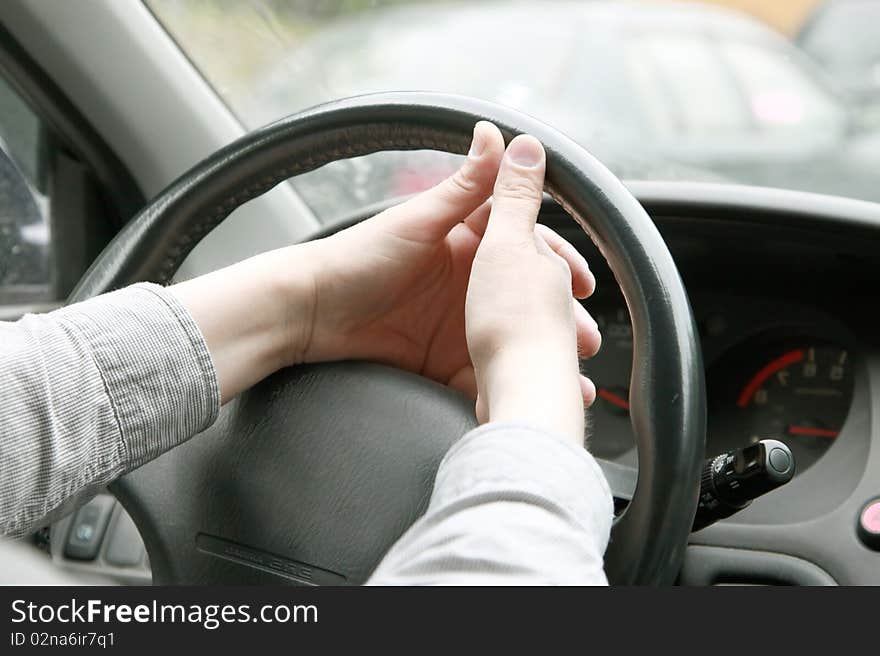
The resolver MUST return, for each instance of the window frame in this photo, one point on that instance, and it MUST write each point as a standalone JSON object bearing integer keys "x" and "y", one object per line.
{"x": 114, "y": 186}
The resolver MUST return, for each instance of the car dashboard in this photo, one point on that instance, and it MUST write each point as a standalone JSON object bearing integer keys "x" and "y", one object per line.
{"x": 783, "y": 288}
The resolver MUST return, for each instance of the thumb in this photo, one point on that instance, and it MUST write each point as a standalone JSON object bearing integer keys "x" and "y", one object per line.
{"x": 518, "y": 192}
{"x": 433, "y": 213}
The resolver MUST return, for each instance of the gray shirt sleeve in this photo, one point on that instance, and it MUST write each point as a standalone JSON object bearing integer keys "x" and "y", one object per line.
{"x": 512, "y": 505}
{"x": 94, "y": 390}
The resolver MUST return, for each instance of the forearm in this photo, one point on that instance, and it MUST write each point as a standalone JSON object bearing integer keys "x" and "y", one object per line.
{"x": 92, "y": 391}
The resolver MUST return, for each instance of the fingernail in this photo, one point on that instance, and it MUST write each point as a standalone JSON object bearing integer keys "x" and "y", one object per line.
{"x": 525, "y": 151}
{"x": 478, "y": 143}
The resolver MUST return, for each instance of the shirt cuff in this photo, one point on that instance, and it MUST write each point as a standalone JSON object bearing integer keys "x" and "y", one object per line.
{"x": 154, "y": 363}
{"x": 509, "y": 455}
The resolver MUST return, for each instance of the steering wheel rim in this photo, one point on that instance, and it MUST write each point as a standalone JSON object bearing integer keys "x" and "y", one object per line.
{"x": 667, "y": 394}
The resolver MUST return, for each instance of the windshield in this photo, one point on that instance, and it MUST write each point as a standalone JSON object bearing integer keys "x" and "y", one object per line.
{"x": 657, "y": 90}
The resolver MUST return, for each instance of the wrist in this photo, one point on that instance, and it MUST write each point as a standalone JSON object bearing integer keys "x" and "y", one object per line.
{"x": 255, "y": 316}
{"x": 537, "y": 386}
{"x": 291, "y": 279}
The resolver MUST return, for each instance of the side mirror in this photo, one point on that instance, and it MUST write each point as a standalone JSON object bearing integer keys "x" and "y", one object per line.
{"x": 24, "y": 236}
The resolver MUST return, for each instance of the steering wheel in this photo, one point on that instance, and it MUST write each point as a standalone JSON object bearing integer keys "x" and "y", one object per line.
{"x": 313, "y": 474}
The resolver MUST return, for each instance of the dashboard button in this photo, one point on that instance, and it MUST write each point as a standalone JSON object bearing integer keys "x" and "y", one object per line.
{"x": 124, "y": 546}
{"x": 780, "y": 460}
{"x": 88, "y": 527}
{"x": 869, "y": 524}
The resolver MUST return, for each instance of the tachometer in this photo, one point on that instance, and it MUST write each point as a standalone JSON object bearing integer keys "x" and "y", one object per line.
{"x": 797, "y": 392}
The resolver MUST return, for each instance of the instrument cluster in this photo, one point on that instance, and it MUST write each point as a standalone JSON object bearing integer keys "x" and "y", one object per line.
{"x": 792, "y": 383}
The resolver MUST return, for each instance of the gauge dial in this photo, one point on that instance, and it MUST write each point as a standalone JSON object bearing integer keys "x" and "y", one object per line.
{"x": 799, "y": 393}
{"x": 610, "y": 428}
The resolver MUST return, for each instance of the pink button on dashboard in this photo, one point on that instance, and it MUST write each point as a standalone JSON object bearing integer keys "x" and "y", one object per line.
{"x": 869, "y": 524}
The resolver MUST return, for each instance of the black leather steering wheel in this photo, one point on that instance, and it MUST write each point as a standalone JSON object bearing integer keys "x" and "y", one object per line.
{"x": 313, "y": 474}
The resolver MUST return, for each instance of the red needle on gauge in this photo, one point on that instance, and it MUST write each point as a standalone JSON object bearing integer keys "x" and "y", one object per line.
{"x": 809, "y": 431}
{"x": 611, "y": 397}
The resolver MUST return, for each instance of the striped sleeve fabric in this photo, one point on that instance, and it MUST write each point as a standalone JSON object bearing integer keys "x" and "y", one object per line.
{"x": 94, "y": 390}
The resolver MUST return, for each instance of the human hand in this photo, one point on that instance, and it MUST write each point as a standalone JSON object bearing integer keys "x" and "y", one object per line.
{"x": 390, "y": 289}
{"x": 524, "y": 330}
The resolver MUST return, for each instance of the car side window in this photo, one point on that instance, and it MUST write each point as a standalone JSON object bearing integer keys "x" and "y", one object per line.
{"x": 54, "y": 215}
{"x": 25, "y": 275}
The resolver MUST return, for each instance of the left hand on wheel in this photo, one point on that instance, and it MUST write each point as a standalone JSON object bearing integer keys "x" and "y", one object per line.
{"x": 392, "y": 289}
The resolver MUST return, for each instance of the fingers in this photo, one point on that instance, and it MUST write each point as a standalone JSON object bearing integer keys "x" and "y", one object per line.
{"x": 588, "y": 391}
{"x": 477, "y": 220}
{"x": 481, "y": 410}
{"x": 518, "y": 192}
{"x": 432, "y": 214}
{"x": 583, "y": 283}
{"x": 464, "y": 381}
{"x": 589, "y": 340}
